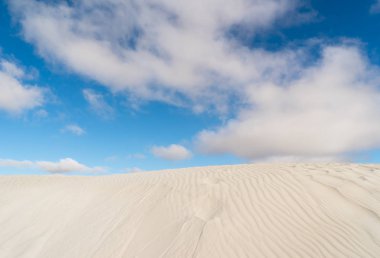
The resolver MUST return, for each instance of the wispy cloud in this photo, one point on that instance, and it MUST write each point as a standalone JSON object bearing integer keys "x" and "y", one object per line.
{"x": 136, "y": 156}
{"x": 16, "y": 96}
{"x": 74, "y": 129}
{"x": 41, "y": 113}
{"x": 65, "y": 165}
{"x": 11, "y": 69}
{"x": 172, "y": 152}
{"x": 133, "y": 170}
{"x": 97, "y": 103}
{"x": 16, "y": 163}
{"x": 375, "y": 8}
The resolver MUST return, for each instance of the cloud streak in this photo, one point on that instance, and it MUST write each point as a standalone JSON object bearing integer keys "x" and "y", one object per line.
{"x": 97, "y": 103}
{"x": 74, "y": 129}
{"x": 65, "y": 165}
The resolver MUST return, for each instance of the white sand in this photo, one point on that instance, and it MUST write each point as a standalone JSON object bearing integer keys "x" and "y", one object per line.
{"x": 230, "y": 211}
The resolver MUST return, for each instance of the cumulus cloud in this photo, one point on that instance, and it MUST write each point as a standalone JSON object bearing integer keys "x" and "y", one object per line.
{"x": 62, "y": 166}
{"x": 290, "y": 102}
{"x": 297, "y": 159}
{"x": 66, "y": 165}
{"x": 155, "y": 49}
{"x": 97, "y": 103}
{"x": 16, "y": 96}
{"x": 331, "y": 109}
{"x": 74, "y": 129}
{"x": 172, "y": 152}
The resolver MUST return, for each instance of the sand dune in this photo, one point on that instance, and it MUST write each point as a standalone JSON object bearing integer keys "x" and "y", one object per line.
{"x": 228, "y": 211}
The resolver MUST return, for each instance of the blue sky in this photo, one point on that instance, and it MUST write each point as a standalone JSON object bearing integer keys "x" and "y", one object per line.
{"x": 121, "y": 86}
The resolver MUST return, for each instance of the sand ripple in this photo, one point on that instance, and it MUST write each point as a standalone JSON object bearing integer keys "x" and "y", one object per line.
{"x": 258, "y": 210}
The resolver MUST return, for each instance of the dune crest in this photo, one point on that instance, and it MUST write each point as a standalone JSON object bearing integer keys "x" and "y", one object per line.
{"x": 255, "y": 210}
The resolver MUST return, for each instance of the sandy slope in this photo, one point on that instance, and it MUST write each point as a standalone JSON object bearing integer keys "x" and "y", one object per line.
{"x": 230, "y": 211}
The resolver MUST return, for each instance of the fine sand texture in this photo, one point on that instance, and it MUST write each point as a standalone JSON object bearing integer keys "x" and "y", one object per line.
{"x": 255, "y": 210}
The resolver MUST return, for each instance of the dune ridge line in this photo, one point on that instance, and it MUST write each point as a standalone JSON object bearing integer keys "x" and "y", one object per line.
{"x": 252, "y": 210}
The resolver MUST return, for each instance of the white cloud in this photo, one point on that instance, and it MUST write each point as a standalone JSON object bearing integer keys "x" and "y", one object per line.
{"x": 74, "y": 129}
{"x": 136, "y": 156}
{"x": 112, "y": 158}
{"x": 289, "y": 102}
{"x": 11, "y": 69}
{"x": 332, "y": 109}
{"x": 41, "y": 113}
{"x": 133, "y": 170}
{"x": 62, "y": 166}
{"x": 97, "y": 103}
{"x": 171, "y": 152}
{"x": 66, "y": 165}
{"x": 300, "y": 159}
{"x": 16, "y": 163}
{"x": 143, "y": 47}
{"x": 15, "y": 96}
